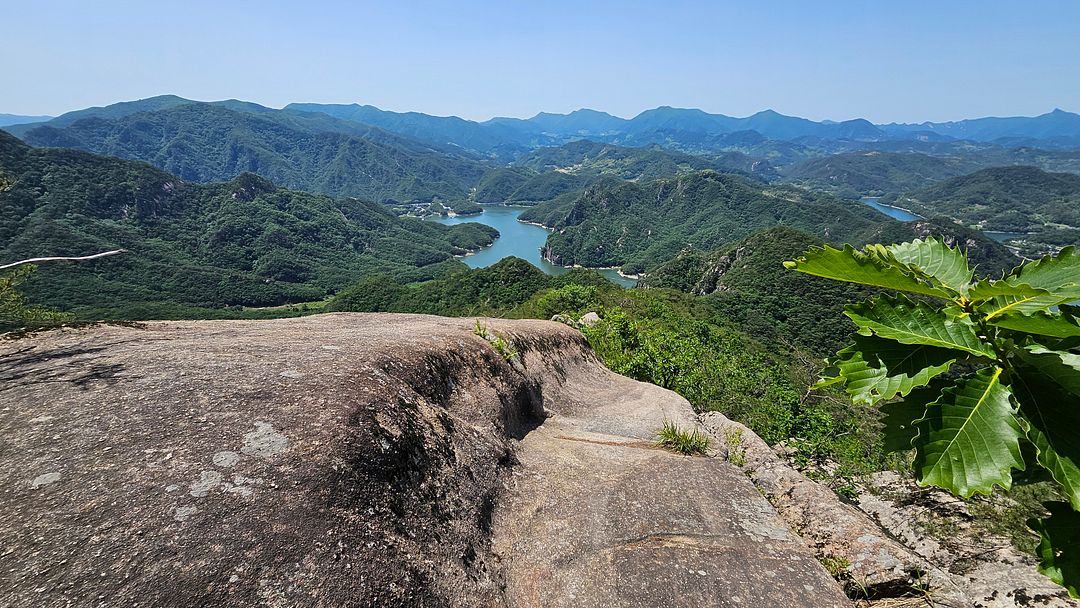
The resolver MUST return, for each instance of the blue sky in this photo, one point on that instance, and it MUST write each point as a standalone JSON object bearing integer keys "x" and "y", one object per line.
{"x": 885, "y": 61}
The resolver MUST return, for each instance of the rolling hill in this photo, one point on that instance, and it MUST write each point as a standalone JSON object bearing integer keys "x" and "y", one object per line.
{"x": 1043, "y": 207}
{"x": 593, "y": 159}
{"x": 873, "y": 173}
{"x": 747, "y": 283}
{"x": 639, "y": 225}
{"x": 7, "y": 120}
{"x": 242, "y": 242}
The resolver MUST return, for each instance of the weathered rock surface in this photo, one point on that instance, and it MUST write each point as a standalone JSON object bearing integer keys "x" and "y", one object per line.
{"x": 364, "y": 460}
{"x": 597, "y": 515}
{"x": 885, "y": 555}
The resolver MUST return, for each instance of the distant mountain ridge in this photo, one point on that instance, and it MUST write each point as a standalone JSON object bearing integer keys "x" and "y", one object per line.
{"x": 17, "y": 119}
{"x": 209, "y": 142}
{"x": 1057, "y": 125}
{"x": 689, "y": 129}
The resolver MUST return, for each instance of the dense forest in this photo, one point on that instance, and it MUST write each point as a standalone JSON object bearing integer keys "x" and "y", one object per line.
{"x": 639, "y": 225}
{"x": 209, "y": 142}
{"x": 242, "y": 242}
{"x": 747, "y": 284}
{"x": 878, "y": 172}
{"x": 873, "y": 173}
{"x": 1010, "y": 199}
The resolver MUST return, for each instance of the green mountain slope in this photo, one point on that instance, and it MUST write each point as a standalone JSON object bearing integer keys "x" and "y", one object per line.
{"x": 748, "y": 284}
{"x": 1004, "y": 198}
{"x": 490, "y": 140}
{"x": 590, "y": 159}
{"x": 637, "y": 226}
{"x": 314, "y": 152}
{"x": 244, "y": 242}
{"x": 872, "y": 173}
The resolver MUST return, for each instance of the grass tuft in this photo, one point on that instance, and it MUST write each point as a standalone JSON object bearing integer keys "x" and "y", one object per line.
{"x": 498, "y": 341}
{"x": 684, "y": 442}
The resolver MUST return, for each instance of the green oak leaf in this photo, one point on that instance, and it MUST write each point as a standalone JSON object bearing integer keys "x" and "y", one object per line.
{"x": 1059, "y": 275}
{"x": 1026, "y": 305}
{"x": 1042, "y": 323}
{"x": 878, "y": 369}
{"x": 853, "y": 266}
{"x": 910, "y": 322}
{"x": 899, "y": 422}
{"x": 969, "y": 439}
{"x": 941, "y": 264}
{"x": 1047, "y": 386}
{"x": 1056, "y": 273}
{"x": 1059, "y": 546}
{"x": 986, "y": 290}
{"x": 1063, "y": 368}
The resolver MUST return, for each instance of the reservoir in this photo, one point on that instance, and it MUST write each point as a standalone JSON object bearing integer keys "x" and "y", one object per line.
{"x": 516, "y": 239}
{"x": 906, "y": 216}
{"x": 894, "y": 212}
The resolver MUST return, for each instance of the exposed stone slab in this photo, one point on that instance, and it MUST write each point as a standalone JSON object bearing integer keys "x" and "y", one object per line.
{"x": 364, "y": 460}
{"x": 598, "y": 515}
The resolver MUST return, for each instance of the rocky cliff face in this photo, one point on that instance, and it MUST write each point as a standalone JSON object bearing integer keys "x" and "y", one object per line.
{"x": 365, "y": 460}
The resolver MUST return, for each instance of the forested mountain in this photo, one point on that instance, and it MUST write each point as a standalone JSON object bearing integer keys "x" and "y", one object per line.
{"x": 639, "y": 225}
{"x": 873, "y": 173}
{"x": 593, "y": 159}
{"x": 768, "y": 134}
{"x": 111, "y": 111}
{"x": 491, "y": 140}
{"x": 1029, "y": 200}
{"x": 748, "y": 284}
{"x": 314, "y": 152}
{"x": 523, "y": 186}
{"x": 876, "y": 172}
{"x": 245, "y": 241}
{"x": 547, "y": 173}
{"x": 1004, "y": 198}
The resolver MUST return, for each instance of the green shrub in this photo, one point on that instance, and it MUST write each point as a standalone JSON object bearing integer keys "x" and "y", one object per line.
{"x": 569, "y": 299}
{"x": 15, "y": 313}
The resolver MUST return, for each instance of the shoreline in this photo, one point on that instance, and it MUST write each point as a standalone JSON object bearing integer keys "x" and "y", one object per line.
{"x": 537, "y": 224}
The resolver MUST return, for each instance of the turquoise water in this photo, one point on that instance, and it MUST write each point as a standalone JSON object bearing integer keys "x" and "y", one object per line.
{"x": 894, "y": 212}
{"x": 516, "y": 239}
{"x": 906, "y": 216}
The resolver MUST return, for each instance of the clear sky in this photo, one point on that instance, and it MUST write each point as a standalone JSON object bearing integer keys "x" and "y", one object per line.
{"x": 882, "y": 60}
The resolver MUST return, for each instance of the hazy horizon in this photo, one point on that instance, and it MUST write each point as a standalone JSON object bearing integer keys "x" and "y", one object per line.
{"x": 840, "y": 60}
{"x": 627, "y": 117}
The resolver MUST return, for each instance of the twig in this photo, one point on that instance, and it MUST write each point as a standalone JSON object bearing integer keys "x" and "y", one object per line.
{"x": 64, "y": 259}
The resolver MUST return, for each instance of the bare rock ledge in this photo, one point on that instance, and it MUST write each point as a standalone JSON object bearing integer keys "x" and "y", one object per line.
{"x": 365, "y": 460}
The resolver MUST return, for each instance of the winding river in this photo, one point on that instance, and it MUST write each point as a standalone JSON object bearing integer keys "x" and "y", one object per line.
{"x": 517, "y": 239}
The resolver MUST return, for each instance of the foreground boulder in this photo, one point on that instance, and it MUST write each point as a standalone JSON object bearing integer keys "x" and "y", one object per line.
{"x": 365, "y": 460}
